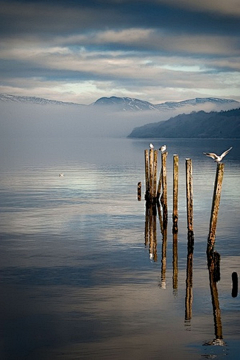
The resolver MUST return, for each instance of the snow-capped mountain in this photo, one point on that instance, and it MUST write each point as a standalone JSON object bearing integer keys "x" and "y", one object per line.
{"x": 32, "y": 100}
{"x": 124, "y": 103}
{"x": 196, "y": 102}
{"x": 131, "y": 104}
{"x": 128, "y": 104}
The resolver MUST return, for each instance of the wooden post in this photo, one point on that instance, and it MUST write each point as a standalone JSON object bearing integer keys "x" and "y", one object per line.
{"x": 139, "y": 191}
{"x": 164, "y": 187}
{"x": 215, "y": 206}
{"x": 151, "y": 153}
{"x": 155, "y": 175}
{"x": 164, "y": 178}
{"x": 146, "y": 174}
{"x": 175, "y": 193}
{"x": 189, "y": 191}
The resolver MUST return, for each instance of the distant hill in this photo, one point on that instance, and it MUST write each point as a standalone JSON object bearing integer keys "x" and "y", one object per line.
{"x": 224, "y": 124}
{"x": 131, "y": 104}
{"x": 124, "y": 104}
{"x": 127, "y": 104}
{"x": 33, "y": 100}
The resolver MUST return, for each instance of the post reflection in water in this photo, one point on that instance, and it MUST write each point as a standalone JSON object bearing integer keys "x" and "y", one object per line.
{"x": 214, "y": 276}
{"x": 163, "y": 225}
{"x": 151, "y": 239}
{"x": 189, "y": 278}
{"x": 151, "y": 231}
{"x": 175, "y": 262}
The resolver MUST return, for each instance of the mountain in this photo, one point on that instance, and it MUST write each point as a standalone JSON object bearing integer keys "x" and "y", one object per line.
{"x": 124, "y": 104}
{"x": 33, "y": 100}
{"x": 131, "y": 104}
{"x": 128, "y": 104}
{"x": 196, "y": 102}
{"x": 224, "y": 124}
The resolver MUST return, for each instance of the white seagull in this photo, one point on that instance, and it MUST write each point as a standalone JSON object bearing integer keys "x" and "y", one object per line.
{"x": 61, "y": 175}
{"x": 163, "y": 148}
{"x": 151, "y": 146}
{"x": 216, "y": 157}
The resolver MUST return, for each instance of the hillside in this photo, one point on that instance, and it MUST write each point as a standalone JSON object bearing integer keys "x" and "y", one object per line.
{"x": 224, "y": 124}
{"x": 127, "y": 104}
{"x": 131, "y": 104}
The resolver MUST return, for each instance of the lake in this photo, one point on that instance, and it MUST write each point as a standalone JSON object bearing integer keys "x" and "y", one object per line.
{"x": 78, "y": 279}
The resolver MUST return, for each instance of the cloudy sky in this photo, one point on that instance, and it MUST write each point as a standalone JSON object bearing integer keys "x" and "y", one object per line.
{"x": 154, "y": 50}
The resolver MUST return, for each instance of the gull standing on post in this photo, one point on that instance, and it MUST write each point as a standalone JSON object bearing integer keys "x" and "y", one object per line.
{"x": 163, "y": 148}
{"x": 151, "y": 146}
{"x": 216, "y": 157}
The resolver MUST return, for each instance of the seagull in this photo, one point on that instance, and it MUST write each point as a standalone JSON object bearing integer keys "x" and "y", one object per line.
{"x": 163, "y": 148}
{"x": 151, "y": 146}
{"x": 61, "y": 175}
{"x": 218, "y": 158}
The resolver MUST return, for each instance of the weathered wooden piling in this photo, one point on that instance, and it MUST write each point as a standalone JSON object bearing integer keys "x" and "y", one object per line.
{"x": 139, "y": 191}
{"x": 146, "y": 173}
{"x": 215, "y": 206}
{"x": 164, "y": 178}
{"x": 189, "y": 193}
{"x": 151, "y": 159}
{"x": 155, "y": 161}
{"x": 164, "y": 189}
{"x": 175, "y": 193}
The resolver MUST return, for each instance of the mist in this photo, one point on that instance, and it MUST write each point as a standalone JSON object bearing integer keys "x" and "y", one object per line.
{"x": 19, "y": 120}
{"x": 47, "y": 121}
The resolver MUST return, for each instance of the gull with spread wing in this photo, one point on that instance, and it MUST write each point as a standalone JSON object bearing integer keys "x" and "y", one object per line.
{"x": 218, "y": 158}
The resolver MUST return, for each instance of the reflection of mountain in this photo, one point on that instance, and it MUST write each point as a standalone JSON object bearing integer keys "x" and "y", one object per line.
{"x": 224, "y": 124}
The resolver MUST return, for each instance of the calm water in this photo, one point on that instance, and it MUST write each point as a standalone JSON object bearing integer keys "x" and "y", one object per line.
{"x": 77, "y": 280}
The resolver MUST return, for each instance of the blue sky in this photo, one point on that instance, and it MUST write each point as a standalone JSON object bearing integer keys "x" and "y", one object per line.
{"x": 154, "y": 50}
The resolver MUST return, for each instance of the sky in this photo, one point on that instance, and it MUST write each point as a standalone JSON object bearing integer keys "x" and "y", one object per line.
{"x": 153, "y": 50}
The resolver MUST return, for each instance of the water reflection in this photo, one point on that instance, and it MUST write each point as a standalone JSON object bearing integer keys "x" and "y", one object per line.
{"x": 214, "y": 276}
{"x": 175, "y": 262}
{"x": 151, "y": 231}
{"x": 234, "y": 284}
{"x": 75, "y": 279}
{"x": 189, "y": 278}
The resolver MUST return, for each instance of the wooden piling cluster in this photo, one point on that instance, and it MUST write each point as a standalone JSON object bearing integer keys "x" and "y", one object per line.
{"x": 156, "y": 198}
{"x": 151, "y": 160}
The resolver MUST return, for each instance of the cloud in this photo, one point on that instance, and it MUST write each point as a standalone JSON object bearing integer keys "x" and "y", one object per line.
{"x": 157, "y": 50}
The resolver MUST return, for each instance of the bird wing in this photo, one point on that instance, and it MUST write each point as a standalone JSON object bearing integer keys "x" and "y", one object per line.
{"x": 225, "y": 152}
{"x": 212, "y": 155}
